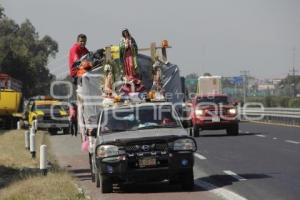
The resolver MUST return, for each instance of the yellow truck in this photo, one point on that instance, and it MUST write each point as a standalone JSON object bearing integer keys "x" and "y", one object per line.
{"x": 49, "y": 113}
{"x": 10, "y": 101}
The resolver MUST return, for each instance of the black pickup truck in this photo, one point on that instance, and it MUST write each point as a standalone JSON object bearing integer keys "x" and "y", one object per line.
{"x": 142, "y": 143}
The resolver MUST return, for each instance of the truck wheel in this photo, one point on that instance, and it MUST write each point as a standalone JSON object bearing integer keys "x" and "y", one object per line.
{"x": 93, "y": 175}
{"x": 52, "y": 131}
{"x": 191, "y": 132}
{"x": 66, "y": 131}
{"x": 98, "y": 179}
{"x": 233, "y": 130}
{"x": 188, "y": 181}
{"x": 196, "y": 131}
{"x": 7, "y": 123}
{"x": 173, "y": 181}
{"x": 106, "y": 184}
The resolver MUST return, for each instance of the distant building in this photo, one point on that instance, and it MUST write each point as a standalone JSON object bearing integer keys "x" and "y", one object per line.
{"x": 268, "y": 86}
{"x": 265, "y": 86}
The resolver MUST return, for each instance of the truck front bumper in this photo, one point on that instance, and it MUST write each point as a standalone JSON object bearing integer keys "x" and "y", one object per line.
{"x": 209, "y": 125}
{"x": 178, "y": 165}
{"x": 52, "y": 124}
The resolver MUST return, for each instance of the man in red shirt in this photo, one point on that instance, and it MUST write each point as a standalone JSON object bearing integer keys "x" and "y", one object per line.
{"x": 76, "y": 52}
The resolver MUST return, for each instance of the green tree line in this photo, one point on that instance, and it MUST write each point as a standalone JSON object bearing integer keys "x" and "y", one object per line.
{"x": 24, "y": 55}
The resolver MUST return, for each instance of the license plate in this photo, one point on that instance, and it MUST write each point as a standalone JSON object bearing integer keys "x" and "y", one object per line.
{"x": 215, "y": 119}
{"x": 146, "y": 162}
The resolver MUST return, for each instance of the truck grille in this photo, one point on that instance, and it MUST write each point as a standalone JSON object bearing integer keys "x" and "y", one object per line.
{"x": 146, "y": 147}
{"x": 217, "y": 112}
{"x": 157, "y": 151}
{"x": 56, "y": 117}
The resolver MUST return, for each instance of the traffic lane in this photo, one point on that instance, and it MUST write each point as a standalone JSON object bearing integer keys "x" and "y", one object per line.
{"x": 260, "y": 184}
{"x": 67, "y": 150}
{"x": 272, "y": 131}
{"x": 270, "y": 166}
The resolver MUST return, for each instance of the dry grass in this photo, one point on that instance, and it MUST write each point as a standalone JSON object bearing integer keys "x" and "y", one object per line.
{"x": 12, "y": 150}
{"x": 17, "y": 184}
{"x": 55, "y": 186}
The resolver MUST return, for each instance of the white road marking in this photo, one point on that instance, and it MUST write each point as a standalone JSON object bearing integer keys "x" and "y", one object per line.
{"x": 197, "y": 155}
{"x": 220, "y": 192}
{"x": 234, "y": 175}
{"x": 292, "y": 142}
{"x": 259, "y": 135}
{"x": 274, "y": 138}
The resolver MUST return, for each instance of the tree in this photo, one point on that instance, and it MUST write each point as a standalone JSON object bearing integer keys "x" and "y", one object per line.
{"x": 24, "y": 56}
{"x": 207, "y": 74}
{"x": 1, "y": 12}
{"x": 285, "y": 86}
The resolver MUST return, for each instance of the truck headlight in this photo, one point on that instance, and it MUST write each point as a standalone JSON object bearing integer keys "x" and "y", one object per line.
{"x": 184, "y": 144}
{"x": 232, "y": 111}
{"x": 104, "y": 151}
{"x": 199, "y": 112}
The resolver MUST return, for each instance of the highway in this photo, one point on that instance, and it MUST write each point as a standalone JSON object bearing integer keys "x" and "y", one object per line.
{"x": 265, "y": 158}
{"x": 261, "y": 163}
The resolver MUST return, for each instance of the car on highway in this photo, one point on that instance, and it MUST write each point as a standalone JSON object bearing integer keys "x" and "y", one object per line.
{"x": 142, "y": 142}
{"x": 213, "y": 112}
{"x": 49, "y": 113}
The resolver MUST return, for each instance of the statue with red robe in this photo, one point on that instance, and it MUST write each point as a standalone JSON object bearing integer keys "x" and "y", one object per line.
{"x": 128, "y": 59}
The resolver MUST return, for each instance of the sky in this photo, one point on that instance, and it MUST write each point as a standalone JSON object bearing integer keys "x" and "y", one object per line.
{"x": 222, "y": 37}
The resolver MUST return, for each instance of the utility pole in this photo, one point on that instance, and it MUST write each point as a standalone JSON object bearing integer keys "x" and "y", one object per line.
{"x": 245, "y": 74}
{"x": 293, "y": 71}
{"x": 289, "y": 84}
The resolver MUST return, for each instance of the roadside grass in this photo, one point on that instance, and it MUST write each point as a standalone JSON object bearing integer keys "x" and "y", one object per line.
{"x": 20, "y": 178}
{"x": 13, "y": 152}
{"x": 56, "y": 185}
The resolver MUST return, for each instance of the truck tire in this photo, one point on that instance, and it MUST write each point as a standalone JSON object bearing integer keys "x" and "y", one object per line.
{"x": 93, "y": 175}
{"x": 233, "y": 130}
{"x": 187, "y": 183}
{"x": 196, "y": 131}
{"x": 173, "y": 181}
{"x": 52, "y": 131}
{"x": 98, "y": 179}
{"x": 7, "y": 123}
{"x": 106, "y": 184}
{"x": 66, "y": 131}
{"x": 191, "y": 132}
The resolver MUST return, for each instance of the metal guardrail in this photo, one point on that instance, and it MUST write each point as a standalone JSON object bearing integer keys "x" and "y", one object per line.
{"x": 273, "y": 112}
{"x": 290, "y": 116}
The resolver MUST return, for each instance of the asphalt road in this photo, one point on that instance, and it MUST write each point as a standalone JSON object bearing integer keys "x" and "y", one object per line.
{"x": 67, "y": 150}
{"x": 263, "y": 162}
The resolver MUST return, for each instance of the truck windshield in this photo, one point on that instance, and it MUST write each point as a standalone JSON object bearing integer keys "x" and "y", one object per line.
{"x": 48, "y": 107}
{"x": 212, "y": 99}
{"x": 137, "y": 118}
